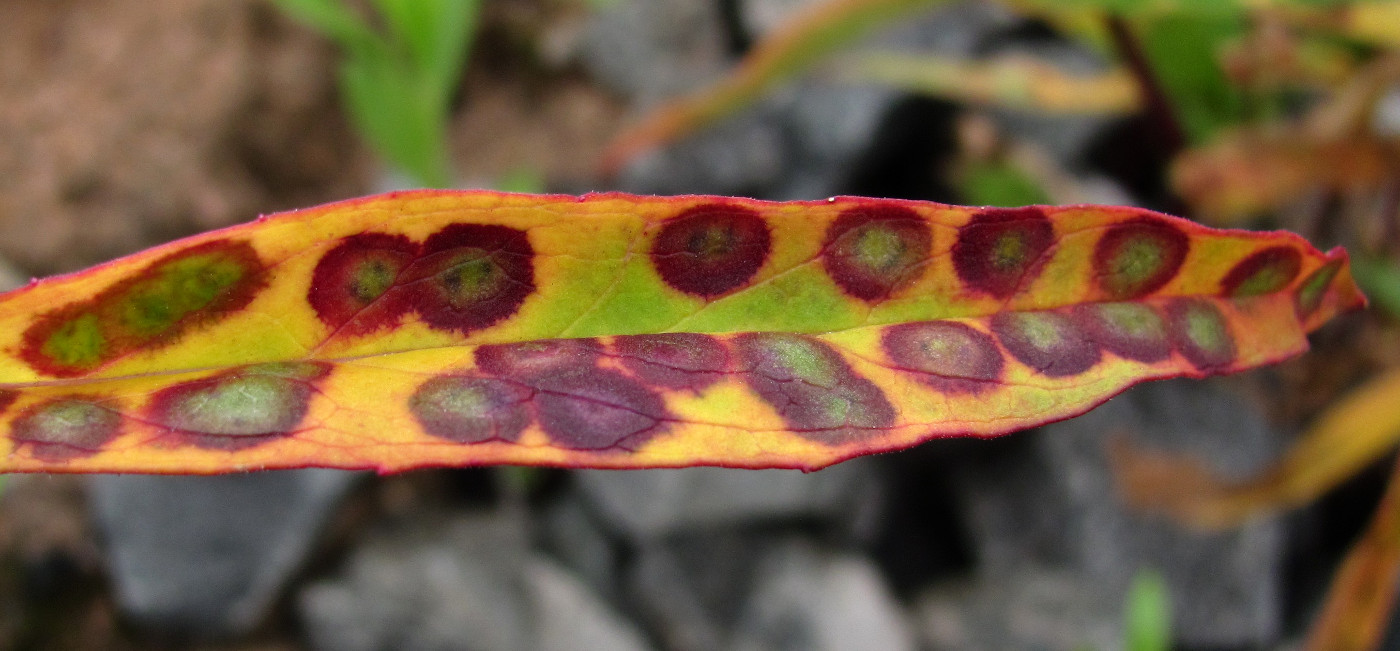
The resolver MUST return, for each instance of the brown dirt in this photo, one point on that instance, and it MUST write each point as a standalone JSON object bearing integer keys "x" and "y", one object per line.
{"x": 128, "y": 124}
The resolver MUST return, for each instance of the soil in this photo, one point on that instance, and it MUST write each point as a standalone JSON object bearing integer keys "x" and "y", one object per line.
{"x": 131, "y": 125}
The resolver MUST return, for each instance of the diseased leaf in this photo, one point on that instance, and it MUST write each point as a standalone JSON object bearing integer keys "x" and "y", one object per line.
{"x": 460, "y": 328}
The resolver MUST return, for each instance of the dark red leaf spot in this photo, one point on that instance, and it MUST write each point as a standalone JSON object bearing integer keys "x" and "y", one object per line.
{"x": 677, "y": 360}
{"x": 1001, "y": 250}
{"x": 532, "y": 360}
{"x": 872, "y": 252}
{"x": 181, "y": 292}
{"x": 711, "y": 250}
{"x": 1201, "y": 334}
{"x": 470, "y": 409}
{"x": 7, "y": 398}
{"x": 1263, "y": 272}
{"x": 1129, "y": 330}
{"x": 353, "y": 285}
{"x": 812, "y": 388}
{"x": 949, "y": 356}
{"x": 1138, "y": 256}
{"x": 598, "y": 409}
{"x": 67, "y": 428}
{"x": 471, "y": 276}
{"x": 240, "y": 408}
{"x": 1049, "y": 343}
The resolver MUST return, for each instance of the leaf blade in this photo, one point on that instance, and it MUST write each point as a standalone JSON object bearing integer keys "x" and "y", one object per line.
{"x": 835, "y": 342}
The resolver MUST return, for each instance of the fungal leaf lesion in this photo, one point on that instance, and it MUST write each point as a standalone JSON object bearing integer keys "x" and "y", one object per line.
{"x": 729, "y": 331}
{"x": 151, "y": 308}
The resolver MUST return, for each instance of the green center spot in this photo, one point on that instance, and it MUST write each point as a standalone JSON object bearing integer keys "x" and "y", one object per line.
{"x": 836, "y": 408}
{"x": 245, "y": 405}
{"x": 881, "y": 249}
{"x": 177, "y": 289}
{"x": 471, "y": 278}
{"x": 462, "y": 399}
{"x": 712, "y": 242}
{"x": 71, "y": 421}
{"x": 1039, "y": 330}
{"x": 1137, "y": 261}
{"x": 371, "y": 279}
{"x": 1310, "y": 293}
{"x": 803, "y": 359}
{"x": 1268, "y": 279}
{"x": 940, "y": 350}
{"x": 1206, "y": 330}
{"x": 77, "y": 343}
{"x": 1132, "y": 320}
{"x": 1009, "y": 251}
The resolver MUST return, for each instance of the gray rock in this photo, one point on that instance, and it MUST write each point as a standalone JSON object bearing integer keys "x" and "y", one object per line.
{"x": 763, "y": 16}
{"x": 570, "y": 532}
{"x": 654, "y": 49}
{"x": 1037, "y": 608}
{"x": 649, "y": 503}
{"x": 10, "y": 277}
{"x": 742, "y": 154}
{"x": 569, "y": 617}
{"x": 436, "y": 583}
{"x": 441, "y": 582}
{"x": 690, "y": 588}
{"x": 1050, "y": 501}
{"x": 1386, "y": 120}
{"x": 207, "y": 556}
{"x": 809, "y": 600}
{"x": 826, "y": 128}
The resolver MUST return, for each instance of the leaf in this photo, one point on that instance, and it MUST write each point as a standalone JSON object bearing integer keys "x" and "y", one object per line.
{"x": 1147, "y": 620}
{"x": 331, "y": 17}
{"x": 999, "y": 183}
{"x": 1007, "y": 81}
{"x": 1362, "y": 597}
{"x": 1380, "y": 277}
{"x": 1351, "y": 434}
{"x": 461, "y": 328}
{"x": 397, "y": 86}
{"x": 1243, "y": 173}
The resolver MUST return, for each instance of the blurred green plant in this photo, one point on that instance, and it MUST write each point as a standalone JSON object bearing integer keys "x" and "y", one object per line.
{"x": 398, "y": 73}
{"x": 1147, "y": 614}
{"x": 1380, "y": 278}
{"x": 1000, "y": 183}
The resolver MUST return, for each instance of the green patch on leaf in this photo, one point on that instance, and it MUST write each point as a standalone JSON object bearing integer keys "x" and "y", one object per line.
{"x": 77, "y": 343}
{"x": 178, "y": 288}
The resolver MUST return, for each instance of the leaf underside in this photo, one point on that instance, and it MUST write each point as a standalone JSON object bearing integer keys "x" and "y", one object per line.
{"x": 465, "y": 328}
